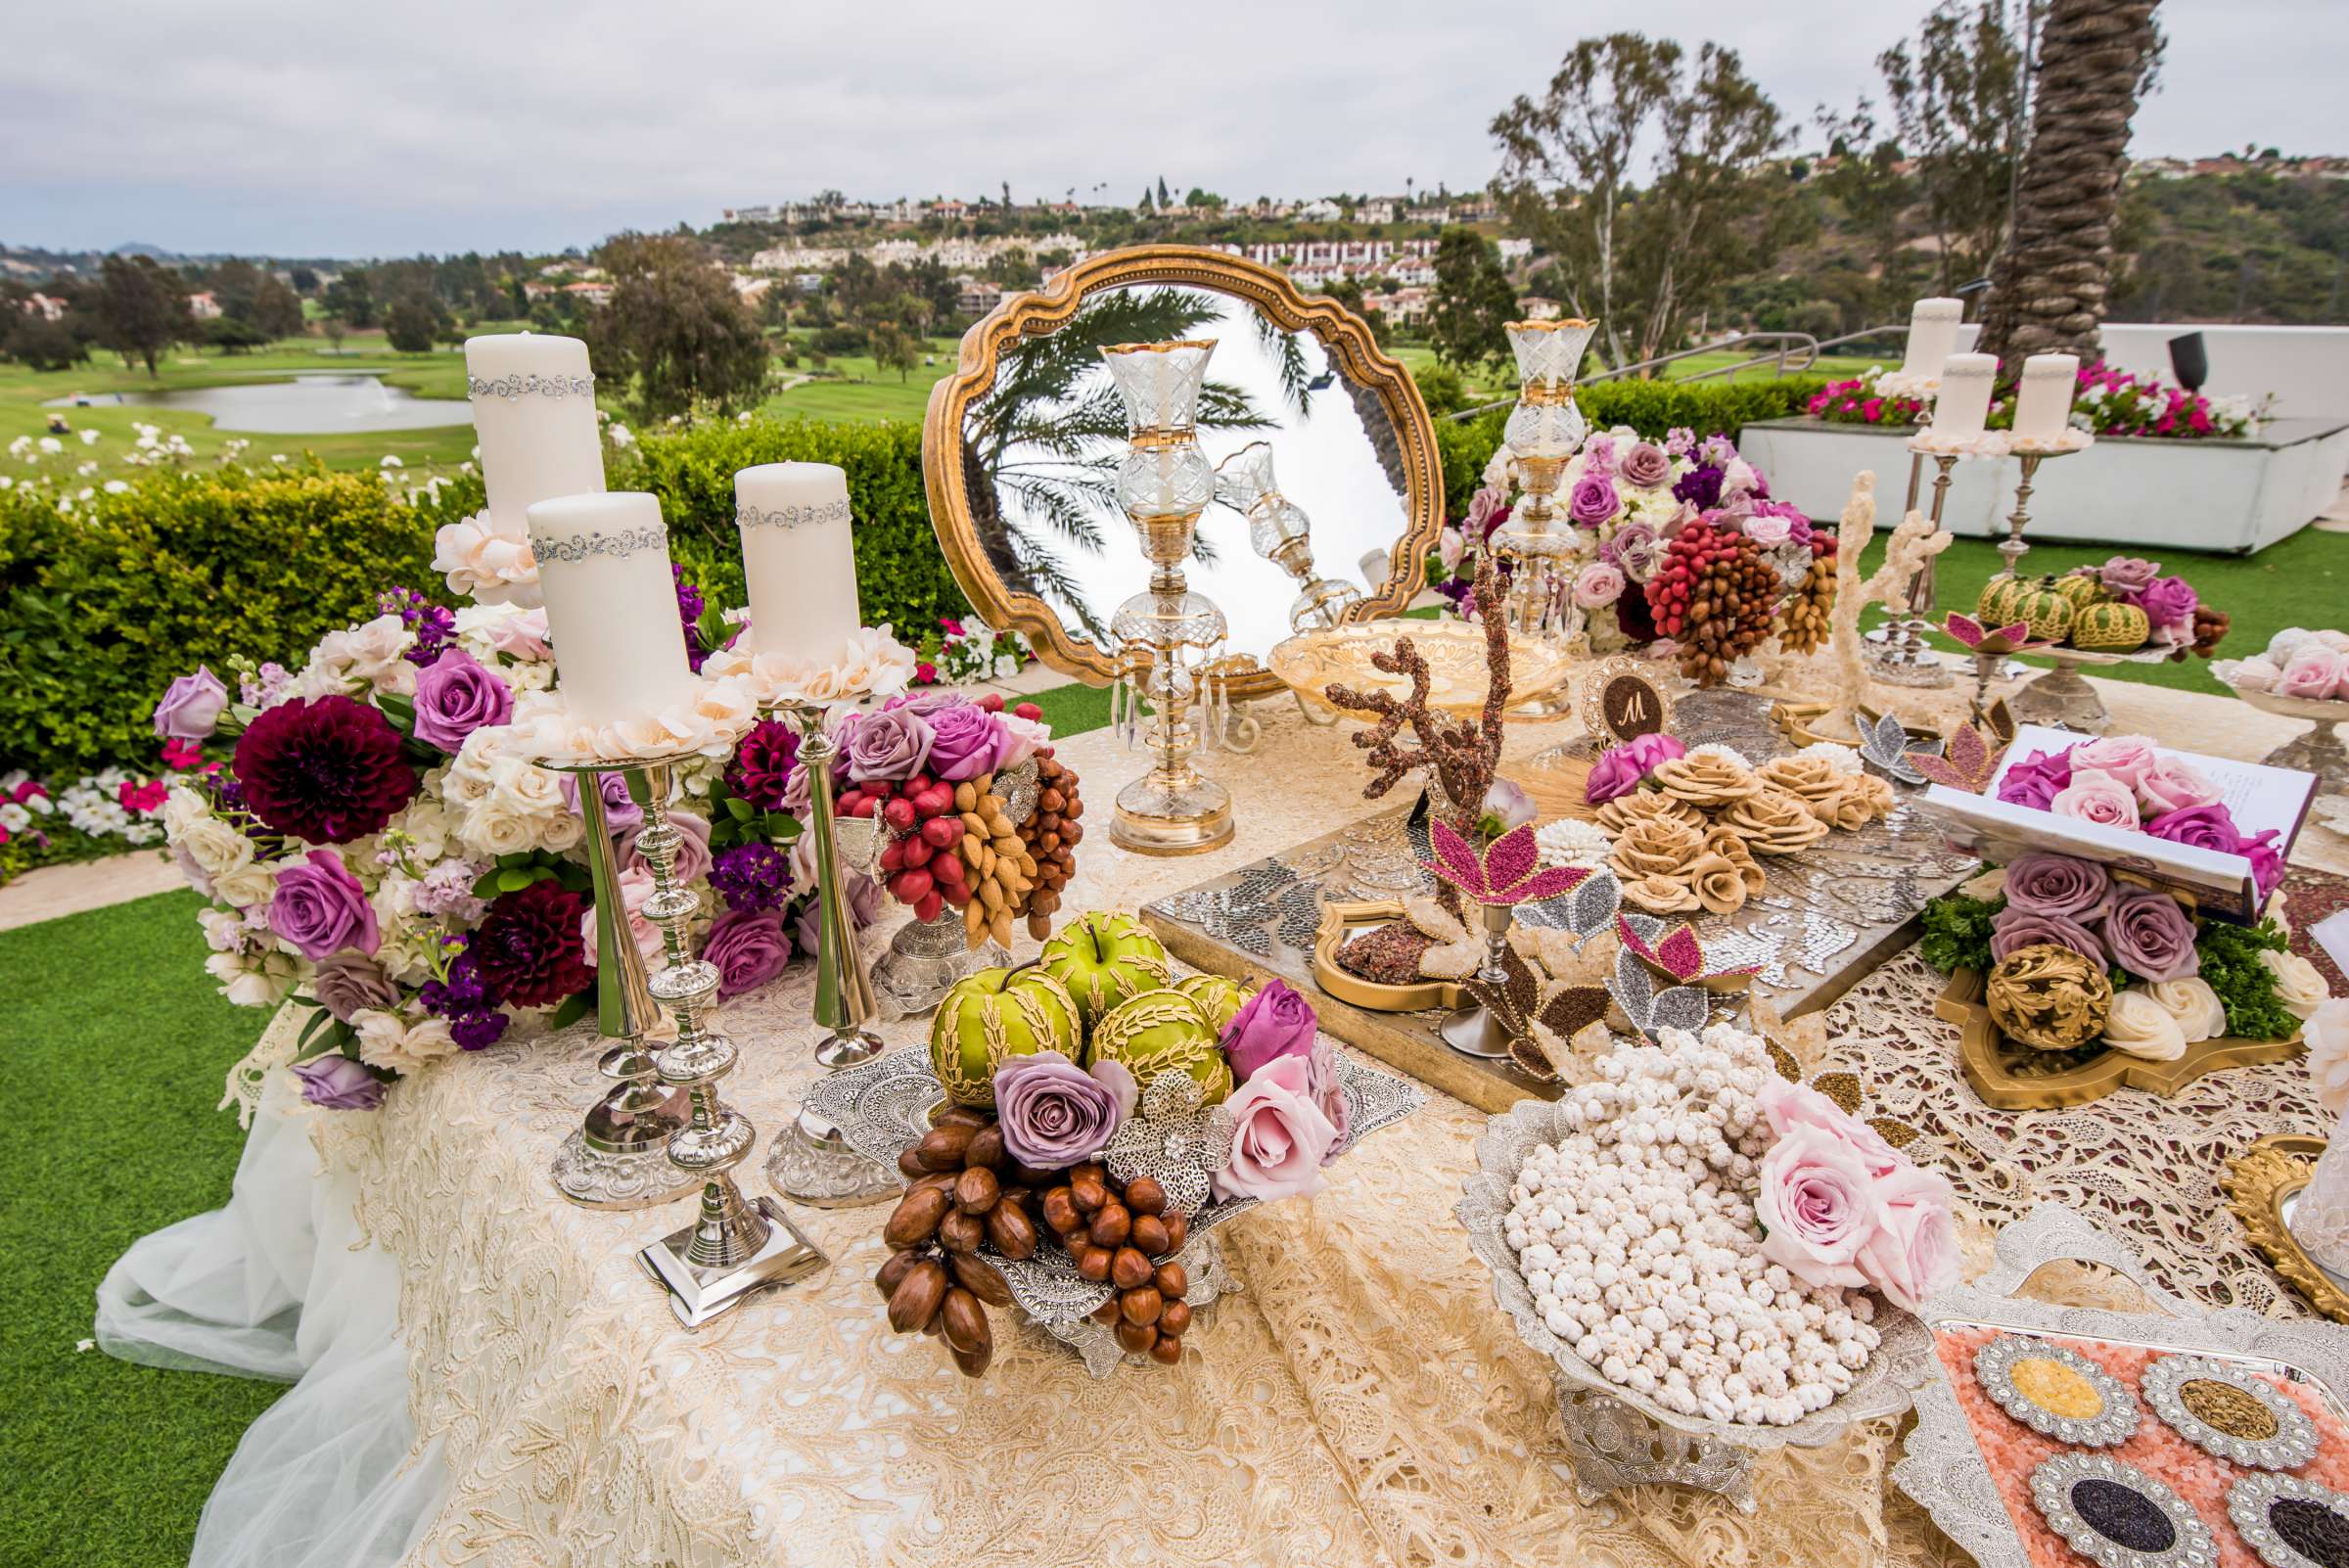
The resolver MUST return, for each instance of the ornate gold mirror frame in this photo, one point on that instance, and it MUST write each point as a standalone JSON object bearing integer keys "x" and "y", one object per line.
{"x": 1342, "y": 334}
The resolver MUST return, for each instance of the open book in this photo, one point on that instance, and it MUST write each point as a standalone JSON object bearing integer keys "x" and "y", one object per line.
{"x": 2258, "y": 797}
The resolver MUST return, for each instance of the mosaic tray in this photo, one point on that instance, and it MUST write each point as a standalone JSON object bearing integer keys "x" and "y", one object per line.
{"x": 1829, "y": 916}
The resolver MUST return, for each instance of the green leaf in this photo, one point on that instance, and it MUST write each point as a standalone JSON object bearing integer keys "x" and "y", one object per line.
{"x": 739, "y": 809}
{"x": 781, "y": 827}
{"x": 573, "y": 1008}
{"x": 515, "y": 878}
{"x": 487, "y": 886}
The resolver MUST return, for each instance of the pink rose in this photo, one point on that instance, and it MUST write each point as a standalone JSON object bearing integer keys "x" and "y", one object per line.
{"x": 522, "y": 635}
{"x": 1598, "y": 584}
{"x": 1273, "y": 1024}
{"x": 1792, "y": 1105}
{"x": 1620, "y": 768}
{"x": 1281, "y": 1137}
{"x": 2127, "y": 758}
{"x": 1913, "y": 1251}
{"x": 1330, "y": 1094}
{"x": 2313, "y": 671}
{"x": 1817, "y": 1204}
{"x": 2097, "y": 798}
{"x": 2173, "y": 785}
{"x": 1768, "y": 531}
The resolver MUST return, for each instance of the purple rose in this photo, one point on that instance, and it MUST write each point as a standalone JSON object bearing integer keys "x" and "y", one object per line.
{"x": 1644, "y": 465}
{"x": 750, "y": 947}
{"x": 926, "y": 703}
{"x": 2212, "y": 827}
{"x": 348, "y": 982}
{"x": 338, "y": 1083}
{"x": 1620, "y": 768}
{"x": 1636, "y": 550}
{"x": 2126, "y": 575}
{"x": 1053, "y": 1113}
{"x": 621, "y": 810}
{"x": 2168, "y": 603}
{"x": 2037, "y": 782}
{"x": 691, "y": 862}
{"x": 2044, "y": 883}
{"x": 893, "y": 744}
{"x": 1274, "y": 1021}
{"x": 863, "y": 894}
{"x": 1593, "y": 501}
{"x": 191, "y": 707}
{"x": 962, "y": 742}
{"x": 455, "y": 695}
{"x": 2150, "y": 936}
{"x": 319, "y": 907}
{"x": 2015, "y": 929}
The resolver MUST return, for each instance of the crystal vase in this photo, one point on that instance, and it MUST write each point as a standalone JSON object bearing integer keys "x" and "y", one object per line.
{"x": 1165, "y": 632}
{"x": 1546, "y": 429}
{"x": 1279, "y": 531}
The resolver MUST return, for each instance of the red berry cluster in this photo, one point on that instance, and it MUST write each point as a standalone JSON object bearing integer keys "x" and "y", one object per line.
{"x": 1714, "y": 593}
{"x": 922, "y": 864}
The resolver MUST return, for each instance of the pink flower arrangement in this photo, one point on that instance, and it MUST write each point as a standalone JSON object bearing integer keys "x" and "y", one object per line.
{"x": 1620, "y": 768}
{"x": 2127, "y": 782}
{"x": 1841, "y": 1207}
{"x": 2108, "y": 401}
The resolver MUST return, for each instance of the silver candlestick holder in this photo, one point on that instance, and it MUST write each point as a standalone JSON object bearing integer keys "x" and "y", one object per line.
{"x": 618, "y": 1158}
{"x": 733, "y": 1247}
{"x": 1475, "y": 1030}
{"x": 810, "y": 1163}
{"x": 1901, "y": 655}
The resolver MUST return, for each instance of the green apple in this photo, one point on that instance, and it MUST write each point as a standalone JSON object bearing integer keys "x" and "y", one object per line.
{"x": 997, "y": 1013}
{"x": 1164, "y": 1030}
{"x": 1218, "y": 997}
{"x": 1103, "y": 958}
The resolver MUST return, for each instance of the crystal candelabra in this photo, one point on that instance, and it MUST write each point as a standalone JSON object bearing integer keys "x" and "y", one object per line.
{"x": 618, "y": 1157}
{"x": 733, "y": 1247}
{"x": 1279, "y": 531}
{"x": 811, "y": 1162}
{"x": 1164, "y": 632}
{"x": 1544, "y": 431}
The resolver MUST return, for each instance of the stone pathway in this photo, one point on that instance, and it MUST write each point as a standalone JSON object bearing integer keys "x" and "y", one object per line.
{"x": 63, "y": 889}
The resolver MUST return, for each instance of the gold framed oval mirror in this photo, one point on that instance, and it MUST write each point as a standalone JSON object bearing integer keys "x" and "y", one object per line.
{"x": 1021, "y": 445}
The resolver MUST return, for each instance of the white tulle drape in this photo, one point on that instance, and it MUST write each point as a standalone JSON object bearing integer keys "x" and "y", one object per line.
{"x": 277, "y": 1285}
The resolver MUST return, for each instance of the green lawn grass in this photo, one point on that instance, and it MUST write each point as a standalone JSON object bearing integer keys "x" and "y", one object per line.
{"x": 120, "y": 1038}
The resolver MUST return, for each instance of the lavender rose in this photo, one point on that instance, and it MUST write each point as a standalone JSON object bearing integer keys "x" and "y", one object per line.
{"x": 691, "y": 862}
{"x": 750, "y": 947}
{"x": 621, "y": 810}
{"x": 926, "y": 703}
{"x": 455, "y": 695}
{"x": 348, "y": 982}
{"x": 2015, "y": 929}
{"x": 2035, "y": 783}
{"x": 1636, "y": 550}
{"x": 2040, "y": 883}
{"x": 2128, "y": 575}
{"x": 962, "y": 742}
{"x": 1275, "y": 1022}
{"x": 1644, "y": 465}
{"x": 1053, "y": 1113}
{"x": 1593, "y": 501}
{"x": 894, "y": 744}
{"x": 2150, "y": 937}
{"x": 338, "y": 1083}
{"x": 191, "y": 707}
{"x": 2168, "y": 603}
{"x": 319, "y": 907}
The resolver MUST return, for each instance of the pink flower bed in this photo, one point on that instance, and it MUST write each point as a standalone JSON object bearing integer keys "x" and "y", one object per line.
{"x": 2013, "y": 1450}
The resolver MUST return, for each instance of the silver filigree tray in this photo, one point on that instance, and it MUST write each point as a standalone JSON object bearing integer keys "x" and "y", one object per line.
{"x": 1620, "y": 1438}
{"x": 882, "y": 1105}
{"x": 1944, "y": 1467}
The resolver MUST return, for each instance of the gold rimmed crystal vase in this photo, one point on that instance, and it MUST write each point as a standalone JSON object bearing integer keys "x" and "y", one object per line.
{"x": 1166, "y": 633}
{"x": 1542, "y": 549}
{"x": 1279, "y": 531}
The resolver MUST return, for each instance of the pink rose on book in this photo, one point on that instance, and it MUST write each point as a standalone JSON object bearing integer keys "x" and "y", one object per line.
{"x": 2127, "y": 758}
{"x": 2173, "y": 784}
{"x": 2097, "y": 798}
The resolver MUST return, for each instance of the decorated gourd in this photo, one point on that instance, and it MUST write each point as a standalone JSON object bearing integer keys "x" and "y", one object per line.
{"x": 1103, "y": 958}
{"x": 1995, "y": 607}
{"x": 2045, "y": 608}
{"x": 2082, "y": 590}
{"x": 993, "y": 1014}
{"x": 1218, "y": 997}
{"x": 2111, "y": 629}
{"x": 1160, "y": 1032}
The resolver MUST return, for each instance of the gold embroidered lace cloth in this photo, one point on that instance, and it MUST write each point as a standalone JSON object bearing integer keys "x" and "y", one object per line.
{"x": 1359, "y": 1401}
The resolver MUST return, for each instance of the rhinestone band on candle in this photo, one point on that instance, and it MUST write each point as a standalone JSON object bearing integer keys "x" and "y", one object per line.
{"x": 531, "y": 386}
{"x": 791, "y": 516}
{"x": 619, "y": 546}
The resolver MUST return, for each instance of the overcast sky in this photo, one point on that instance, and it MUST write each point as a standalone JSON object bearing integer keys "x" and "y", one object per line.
{"x": 364, "y": 127}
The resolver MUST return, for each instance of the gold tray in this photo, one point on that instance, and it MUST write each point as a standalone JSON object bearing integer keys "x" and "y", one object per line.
{"x": 2261, "y": 1183}
{"x": 1339, "y": 921}
{"x": 1454, "y": 651}
{"x": 1979, "y": 1053}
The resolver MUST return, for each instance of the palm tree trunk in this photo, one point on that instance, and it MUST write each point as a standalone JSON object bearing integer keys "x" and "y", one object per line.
{"x": 2053, "y": 278}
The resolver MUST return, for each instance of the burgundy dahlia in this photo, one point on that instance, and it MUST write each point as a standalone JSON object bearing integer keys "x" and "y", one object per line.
{"x": 531, "y": 948}
{"x": 323, "y": 769}
{"x": 762, "y": 763}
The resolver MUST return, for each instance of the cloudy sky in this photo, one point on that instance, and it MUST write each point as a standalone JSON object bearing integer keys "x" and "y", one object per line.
{"x": 356, "y": 128}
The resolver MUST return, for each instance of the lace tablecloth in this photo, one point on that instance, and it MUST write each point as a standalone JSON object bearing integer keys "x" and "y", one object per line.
{"x": 1360, "y": 1401}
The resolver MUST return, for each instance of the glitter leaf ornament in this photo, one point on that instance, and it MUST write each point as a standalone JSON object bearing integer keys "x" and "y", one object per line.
{"x": 1977, "y": 638}
{"x": 1652, "y": 1011}
{"x": 1884, "y": 741}
{"x": 1509, "y": 872}
{"x": 1968, "y": 760}
{"x": 1678, "y": 952}
{"x": 1518, "y": 1004}
{"x": 1588, "y": 909}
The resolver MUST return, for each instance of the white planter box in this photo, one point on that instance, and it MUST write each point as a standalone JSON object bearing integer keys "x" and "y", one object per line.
{"x": 2234, "y": 496}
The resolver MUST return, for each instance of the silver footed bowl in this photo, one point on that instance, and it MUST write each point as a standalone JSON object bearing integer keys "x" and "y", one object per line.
{"x": 1886, "y": 1386}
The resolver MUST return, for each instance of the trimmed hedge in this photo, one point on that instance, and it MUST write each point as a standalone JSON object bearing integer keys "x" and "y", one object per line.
{"x": 901, "y": 575}
{"x": 1650, "y": 407}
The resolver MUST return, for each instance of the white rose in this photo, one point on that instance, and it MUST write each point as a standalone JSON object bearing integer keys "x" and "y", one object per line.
{"x": 257, "y": 980}
{"x": 372, "y": 653}
{"x": 217, "y": 848}
{"x": 247, "y": 886}
{"x": 482, "y": 563}
{"x": 183, "y": 807}
{"x": 474, "y": 773}
{"x": 2328, "y": 1054}
{"x": 2199, "y": 1013}
{"x": 223, "y": 932}
{"x": 540, "y": 791}
{"x": 390, "y": 1042}
{"x": 2299, "y": 984}
{"x": 498, "y": 824}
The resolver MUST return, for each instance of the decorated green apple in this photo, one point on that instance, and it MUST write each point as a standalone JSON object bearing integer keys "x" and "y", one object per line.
{"x": 993, "y": 1014}
{"x": 1218, "y": 997}
{"x": 1164, "y": 1030}
{"x": 1103, "y": 958}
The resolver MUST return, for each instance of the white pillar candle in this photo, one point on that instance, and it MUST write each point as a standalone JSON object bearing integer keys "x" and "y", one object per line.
{"x": 2043, "y": 406}
{"x": 1932, "y": 334}
{"x": 1965, "y": 399}
{"x": 798, "y": 559}
{"x": 611, "y": 605}
{"x": 533, "y": 408}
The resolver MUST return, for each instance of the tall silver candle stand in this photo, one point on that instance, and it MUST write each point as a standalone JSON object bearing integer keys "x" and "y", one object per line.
{"x": 618, "y": 1156}
{"x": 733, "y": 1247}
{"x": 811, "y": 1162}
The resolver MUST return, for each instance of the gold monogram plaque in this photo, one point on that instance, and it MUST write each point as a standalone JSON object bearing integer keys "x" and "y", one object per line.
{"x": 1622, "y": 702}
